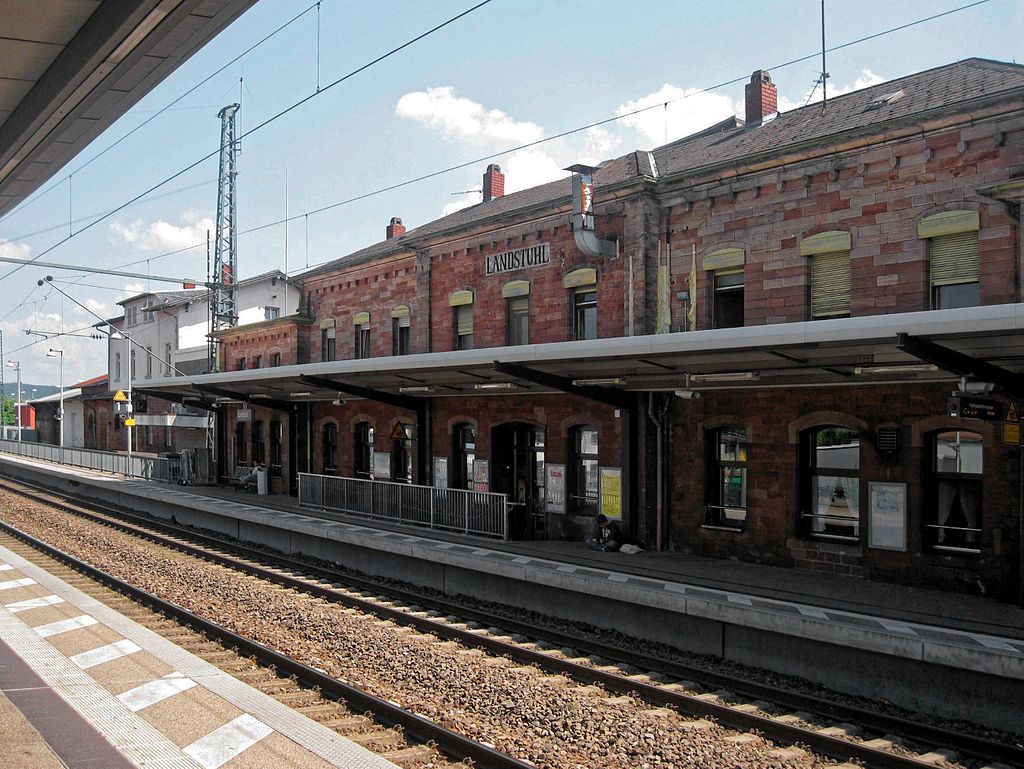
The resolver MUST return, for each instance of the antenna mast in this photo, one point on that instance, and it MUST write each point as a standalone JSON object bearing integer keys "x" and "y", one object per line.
{"x": 824, "y": 71}
{"x": 224, "y": 298}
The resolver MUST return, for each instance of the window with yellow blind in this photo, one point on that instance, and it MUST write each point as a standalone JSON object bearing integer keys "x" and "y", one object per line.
{"x": 953, "y": 258}
{"x": 829, "y": 254}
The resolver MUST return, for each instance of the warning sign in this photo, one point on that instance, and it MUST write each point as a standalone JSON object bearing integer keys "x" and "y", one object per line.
{"x": 120, "y": 397}
{"x": 400, "y": 433}
{"x": 1011, "y": 413}
{"x": 1011, "y": 425}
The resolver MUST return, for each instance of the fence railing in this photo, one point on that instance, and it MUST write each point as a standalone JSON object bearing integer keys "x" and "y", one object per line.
{"x": 134, "y": 466}
{"x": 469, "y": 512}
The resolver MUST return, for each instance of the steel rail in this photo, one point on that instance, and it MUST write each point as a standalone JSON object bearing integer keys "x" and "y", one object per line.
{"x": 449, "y": 742}
{"x": 834, "y": 747}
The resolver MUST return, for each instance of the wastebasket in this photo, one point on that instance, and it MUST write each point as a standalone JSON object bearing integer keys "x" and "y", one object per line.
{"x": 261, "y": 480}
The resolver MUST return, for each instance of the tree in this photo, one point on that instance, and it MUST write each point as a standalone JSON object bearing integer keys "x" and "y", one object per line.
{"x": 7, "y": 407}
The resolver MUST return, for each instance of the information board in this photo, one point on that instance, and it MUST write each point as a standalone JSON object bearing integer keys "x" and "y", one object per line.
{"x": 480, "y": 475}
{"x": 887, "y": 516}
{"x": 611, "y": 492}
{"x": 441, "y": 472}
{"x": 555, "y": 488}
{"x": 381, "y": 466}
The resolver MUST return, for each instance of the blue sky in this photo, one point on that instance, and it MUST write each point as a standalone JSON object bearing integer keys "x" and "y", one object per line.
{"x": 511, "y": 72}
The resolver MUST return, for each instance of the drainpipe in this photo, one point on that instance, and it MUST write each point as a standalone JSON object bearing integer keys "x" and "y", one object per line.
{"x": 582, "y": 216}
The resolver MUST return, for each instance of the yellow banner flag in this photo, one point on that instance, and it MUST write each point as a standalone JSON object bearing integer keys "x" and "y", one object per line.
{"x": 692, "y": 314}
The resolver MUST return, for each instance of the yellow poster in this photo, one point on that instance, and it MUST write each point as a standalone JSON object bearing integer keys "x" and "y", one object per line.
{"x": 611, "y": 492}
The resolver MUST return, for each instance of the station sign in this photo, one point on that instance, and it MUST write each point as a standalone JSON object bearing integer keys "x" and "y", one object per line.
{"x": 973, "y": 407}
{"x": 521, "y": 258}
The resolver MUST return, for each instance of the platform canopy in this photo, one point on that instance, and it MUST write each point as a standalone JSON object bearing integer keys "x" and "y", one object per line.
{"x": 70, "y": 68}
{"x": 981, "y": 343}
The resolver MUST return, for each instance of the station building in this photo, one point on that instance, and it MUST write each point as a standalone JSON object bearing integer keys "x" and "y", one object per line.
{"x": 791, "y": 339}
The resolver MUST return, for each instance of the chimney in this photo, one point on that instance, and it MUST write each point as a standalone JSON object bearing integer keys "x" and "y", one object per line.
{"x": 395, "y": 228}
{"x": 494, "y": 182}
{"x": 762, "y": 98}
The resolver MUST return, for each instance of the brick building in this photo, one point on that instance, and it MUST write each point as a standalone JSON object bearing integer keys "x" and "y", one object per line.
{"x": 745, "y": 341}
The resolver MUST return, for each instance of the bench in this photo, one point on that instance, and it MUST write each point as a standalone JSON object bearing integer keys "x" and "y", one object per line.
{"x": 243, "y": 479}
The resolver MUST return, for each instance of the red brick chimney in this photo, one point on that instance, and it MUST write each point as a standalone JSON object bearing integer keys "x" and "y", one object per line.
{"x": 762, "y": 97}
{"x": 395, "y": 228}
{"x": 494, "y": 182}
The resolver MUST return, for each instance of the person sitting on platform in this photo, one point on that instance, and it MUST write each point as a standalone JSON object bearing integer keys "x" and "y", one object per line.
{"x": 606, "y": 536}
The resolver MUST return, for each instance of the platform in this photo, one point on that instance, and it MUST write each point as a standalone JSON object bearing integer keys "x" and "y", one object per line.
{"x": 87, "y": 688}
{"x": 949, "y": 654}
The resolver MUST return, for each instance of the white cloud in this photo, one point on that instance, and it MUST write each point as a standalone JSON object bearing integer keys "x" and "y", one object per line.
{"x": 164, "y": 236}
{"x": 599, "y": 145}
{"x": 467, "y": 200}
{"x": 464, "y": 118}
{"x": 13, "y": 250}
{"x": 677, "y": 113}
{"x": 530, "y": 167}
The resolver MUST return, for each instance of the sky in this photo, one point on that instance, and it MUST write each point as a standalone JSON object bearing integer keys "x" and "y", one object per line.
{"x": 509, "y": 73}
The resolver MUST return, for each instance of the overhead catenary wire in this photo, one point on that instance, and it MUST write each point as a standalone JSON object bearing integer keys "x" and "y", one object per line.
{"x": 595, "y": 124}
{"x": 265, "y": 123}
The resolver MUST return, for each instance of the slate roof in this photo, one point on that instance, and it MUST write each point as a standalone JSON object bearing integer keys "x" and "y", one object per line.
{"x": 935, "y": 90}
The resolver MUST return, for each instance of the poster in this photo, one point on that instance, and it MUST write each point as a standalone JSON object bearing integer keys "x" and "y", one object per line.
{"x": 887, "y": 519}
{"x": 381, "y": 466}
{"x": 440, "y": 472}
{"x": 611, "y": 492}
{"x": 555, "y": 488}
{"x": 480, "y": 473}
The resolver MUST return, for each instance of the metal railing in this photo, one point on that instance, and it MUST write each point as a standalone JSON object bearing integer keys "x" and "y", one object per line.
{"x": 470, "y": 512}
{"x": 134, "y": 466}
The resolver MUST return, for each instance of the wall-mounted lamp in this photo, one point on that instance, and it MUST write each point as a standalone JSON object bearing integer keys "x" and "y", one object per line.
{"x": 689, "y": 395}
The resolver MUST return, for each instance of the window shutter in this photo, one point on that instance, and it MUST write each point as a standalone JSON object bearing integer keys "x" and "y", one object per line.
{"x": 954, "y": 258}
{"x": 830, "y": 284}
{"x": 464, "y": 320}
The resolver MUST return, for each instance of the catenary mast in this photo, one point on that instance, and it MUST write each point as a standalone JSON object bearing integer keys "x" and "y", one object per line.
{"x": 224, "y": 280}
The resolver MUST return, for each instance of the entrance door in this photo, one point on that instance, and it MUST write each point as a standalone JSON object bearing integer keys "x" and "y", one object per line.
{"x": 517, "y": 451}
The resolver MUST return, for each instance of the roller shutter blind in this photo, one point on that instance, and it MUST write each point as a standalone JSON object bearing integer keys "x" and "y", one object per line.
{"x": 954, "y": 258}
{"x": 830, "y": 284}
{"x": 464, "y": 320}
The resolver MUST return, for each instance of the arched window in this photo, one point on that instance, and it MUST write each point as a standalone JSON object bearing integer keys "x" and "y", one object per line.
{"x": 463, "y": 456}
{"x": 583, "y": 470}
{"x": 401, "y": 454}
{"x": 727, "y": 477}
{"x": 330, "y": 458}
{"x": 831, "y": 494}
{"x": 952, "y": 516}
{"x": 240, "y": 443}
{"x": 363, "y": 453}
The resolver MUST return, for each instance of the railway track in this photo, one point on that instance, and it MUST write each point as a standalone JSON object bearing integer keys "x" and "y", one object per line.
{"x": 839, "y": 732}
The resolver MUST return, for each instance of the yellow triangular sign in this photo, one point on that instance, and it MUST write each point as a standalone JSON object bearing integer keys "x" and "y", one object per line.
{"x": 399, "y": 434}
{"x": 1011, "y": 413}
{"x": 120, "y": 397}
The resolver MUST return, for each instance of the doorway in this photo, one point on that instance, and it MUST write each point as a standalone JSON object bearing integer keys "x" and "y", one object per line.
{"x": 517, "y": 451}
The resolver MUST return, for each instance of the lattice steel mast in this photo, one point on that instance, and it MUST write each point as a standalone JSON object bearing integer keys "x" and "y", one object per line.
{"x": 224, "y": 280}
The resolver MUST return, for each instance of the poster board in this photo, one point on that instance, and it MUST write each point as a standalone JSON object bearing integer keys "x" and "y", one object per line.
{"x": 481, "y": 474}
{"x": 440, "y": 472}
{"x": 555, "y": 485}
{"x": 381, "y": 466}
{"x": 610, "y": 503}
{"x": 887, "y": 516}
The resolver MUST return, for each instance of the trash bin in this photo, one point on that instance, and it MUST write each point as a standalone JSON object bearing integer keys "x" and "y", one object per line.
{"x": 261, "y": 480}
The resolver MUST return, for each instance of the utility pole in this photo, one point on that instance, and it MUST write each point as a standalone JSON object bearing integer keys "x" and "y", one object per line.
{"x": 224, "y": 298}
{"x": 16, "y": 364}
{"x": 3, "y": 392}
{"x": 54, "y": 354}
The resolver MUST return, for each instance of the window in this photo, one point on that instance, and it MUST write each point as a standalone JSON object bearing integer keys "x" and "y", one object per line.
{"x": 461, "y": 302}
{"x": 727, "y": 481}
{"x": 953, "y": 258}
{"x": 147, "y": 313}
{"x": 832, "y": 494}
{"x": 327, "y": 344}
{"x": 240, "y": 443}
{"x": 583, "y": 468}
{"x": 117, "y": 367}
{"x": 257, "y": 361}
{"x": 463, "y": 456}
{"x": 518, "y": 320}
{"x": 275, "y": 360}
{"x": 167, "y": 360}
{"x": 727, "y": 303}
{"x": 401, "y": 454}
{"x": 133, "y": 366}
{"x": 148, "y": 435}
{"x": 132, "y": 316}
{"x": 276, "y": 436}
{"x": 271, "y": 313}
{"x": 240, "y": 365}
{"x": 259, "y": 455}
{"x": 330, "y": 447}
{"x": 363, "y": 454}
{"x": 829, "y": 253}
{"x": 168, "y": 438}
{"x": 953, "y": 510}
{"x": 400, "y": 331}
{"x": 149, "y": 363}
{"x": 584, "y": 314}
{"x": 362, "y": 340}
{"x": 464, "y": 327}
